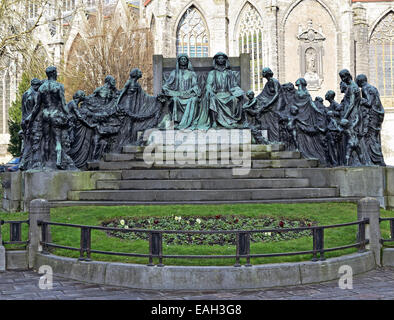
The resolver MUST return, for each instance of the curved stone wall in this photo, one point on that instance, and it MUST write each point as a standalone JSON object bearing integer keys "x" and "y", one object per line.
{"x": 205, "y": 278}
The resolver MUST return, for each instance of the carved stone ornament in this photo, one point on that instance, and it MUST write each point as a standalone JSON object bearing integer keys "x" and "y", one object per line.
{"x": 311, "y": 52}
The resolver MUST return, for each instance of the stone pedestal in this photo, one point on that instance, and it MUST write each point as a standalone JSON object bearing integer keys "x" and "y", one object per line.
{"x": 369, "y": 208}
{"x": 2, "y": 254}
{"x": 39, "y": 210}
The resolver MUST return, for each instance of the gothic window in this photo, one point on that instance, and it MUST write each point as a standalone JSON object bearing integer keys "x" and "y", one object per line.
{"x": 32, "y": 10}
{"x": 68, "y": 5}
{"x": 192, "y": 35}
{"x": 381, "y": 59}
{"x": 252, "y": 40}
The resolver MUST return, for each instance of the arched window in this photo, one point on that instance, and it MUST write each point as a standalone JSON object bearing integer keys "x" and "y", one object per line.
{"x": 192, "y": 35}
{"x": 251, "y": 40}
{"x": 68, "y": 5}
{"x": 381, "y": 59}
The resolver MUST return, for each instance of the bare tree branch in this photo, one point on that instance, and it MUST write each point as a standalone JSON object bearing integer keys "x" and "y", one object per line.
{"x": 104, "y": 48}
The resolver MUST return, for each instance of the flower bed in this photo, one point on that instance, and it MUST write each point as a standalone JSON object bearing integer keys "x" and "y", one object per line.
{"x": 208, "y": 223}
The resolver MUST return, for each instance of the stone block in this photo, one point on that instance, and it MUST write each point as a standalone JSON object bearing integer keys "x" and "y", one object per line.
{"x": 119, "y": 157}
{"x": 318, "y": 177}
{"x": 124, "y": 165}
{"x": 295, "y": 193}
{"x": 12, "y": 205}
{"x": 55, "y": 185}
{"x": 388, "y": 257}
{"x": 369, "y": 208}
{"x": 2, "y": 258}
{"x": 92, "y": 271}
{"x": 17, "y": 260}
{"x": 390, "y": 182}
{"x": 202, "y": 278}
{"x": 61, "y": 266}
{"x": 360, "y": 182}
{"x": 285, "y": 163}
{"x": 285, "y": 155}
{"x": 319, "y": 271}
{"x": 12, "y": 185}
{"x": 145, "y": 174}
{"x": 200, "y": 174}
{"x": 390, "y": 202}
{"x": 206, "y": 184}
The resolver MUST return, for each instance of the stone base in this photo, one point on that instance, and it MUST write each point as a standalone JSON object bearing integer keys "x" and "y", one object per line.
{"x": 388, "y": 257}
{"x": 16, "y": 260}
{"x": 205, "y": 278}
{"x": 2, "y": 258}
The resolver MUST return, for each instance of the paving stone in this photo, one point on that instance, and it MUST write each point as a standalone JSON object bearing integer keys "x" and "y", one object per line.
{"x": 369, "y": 286}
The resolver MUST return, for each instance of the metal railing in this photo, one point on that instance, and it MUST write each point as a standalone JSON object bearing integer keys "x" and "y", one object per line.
{"x": 391, "y": 221}
{"x": 15, "y": 234}
{"x": 242, "y": 242}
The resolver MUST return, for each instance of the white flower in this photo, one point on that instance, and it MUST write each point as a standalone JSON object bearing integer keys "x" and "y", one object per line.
{"x": 267, "y": 233}
{"x": 198, "y": 221}
{"x": 122, "y": 222}
{"x": 126, "y": 227}
{"x": 178, "y": 218}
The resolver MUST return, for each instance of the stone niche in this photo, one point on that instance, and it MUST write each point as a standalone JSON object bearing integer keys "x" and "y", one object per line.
{"x": 310, "y": 47}
{"x": 311, "y": 52}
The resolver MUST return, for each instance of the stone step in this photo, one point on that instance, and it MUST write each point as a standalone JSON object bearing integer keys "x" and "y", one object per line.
{"x": 192, "y": 147}
{"x": 187, "y": 156}
{"x": 201, "y": 184}
{"x": 190, "y": 174}
{"x": 56, "y": 204}
{"x": 256, "y": 164}
{"x": 202, "y": 195}
{"x": 285, "y": 163}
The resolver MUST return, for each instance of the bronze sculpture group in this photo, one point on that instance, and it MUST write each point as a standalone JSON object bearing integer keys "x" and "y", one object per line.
{"x": 57, "y": 135}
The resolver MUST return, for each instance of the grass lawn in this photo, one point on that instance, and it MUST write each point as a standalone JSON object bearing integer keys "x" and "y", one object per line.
{"x": 322, "y": 213}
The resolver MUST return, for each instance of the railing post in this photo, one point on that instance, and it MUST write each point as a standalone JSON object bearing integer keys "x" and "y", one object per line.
{"x": 44, "y": 236}
{"x": 361, "y": 236}
{"x": 318, "y": 244}
{"x": 39, "y": 210}
{"x": 243, "y": 248}
{"x": 2, "y": 251}
{"x": 15, "y": 231}
{"x": 238, "y": 251}
{"x": 392, "y": 229}
{"x": 85, "y": 244}
{"x": 369, "y": 208}
{"x": 155, "y": 248}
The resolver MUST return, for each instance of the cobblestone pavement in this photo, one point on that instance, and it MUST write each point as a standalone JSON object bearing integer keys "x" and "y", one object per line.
{"x": 374, "y": 285}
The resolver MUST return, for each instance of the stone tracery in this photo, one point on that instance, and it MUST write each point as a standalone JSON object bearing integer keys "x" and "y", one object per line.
{"x": 252, "y": 40}
{"x": 192, "y": 35}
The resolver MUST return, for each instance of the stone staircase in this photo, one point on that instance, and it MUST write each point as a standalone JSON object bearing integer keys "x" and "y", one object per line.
{"x": 273, "y": 178}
